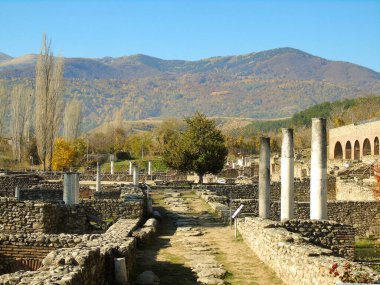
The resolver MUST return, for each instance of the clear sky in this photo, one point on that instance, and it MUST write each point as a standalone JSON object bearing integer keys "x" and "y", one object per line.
{"x": 337, "y": 30}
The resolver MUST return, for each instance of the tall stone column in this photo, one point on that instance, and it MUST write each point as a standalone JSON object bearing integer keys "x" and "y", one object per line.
{"x": 318, "y": 180}
{"x": 98, "y": 182}
{"x": 135, "y": 175}
{"x": 71, "y": 188}
{"x": 287, "y": 175}
{"x": 149, "y": 167}
{"x": 112, "y": 167}
{"x": 130, "y": 168}
{"x": 264, "y": 178}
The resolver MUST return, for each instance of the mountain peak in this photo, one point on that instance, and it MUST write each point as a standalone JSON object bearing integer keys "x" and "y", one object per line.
{"x": 4, "y": 56}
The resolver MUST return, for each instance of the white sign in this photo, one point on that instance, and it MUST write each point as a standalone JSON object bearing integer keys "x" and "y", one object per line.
{"x": 237, "y": 211}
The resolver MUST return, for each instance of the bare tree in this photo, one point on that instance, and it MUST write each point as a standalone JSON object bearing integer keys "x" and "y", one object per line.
{"x": 21, "y": 101}
{"x": 49, "y": 101}
{"x": 72, "y": 120}
{"x": 3, "y": 105}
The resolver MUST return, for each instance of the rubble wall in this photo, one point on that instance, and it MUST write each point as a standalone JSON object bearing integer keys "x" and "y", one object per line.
{"x": 89, "y": 262}
{"x": 293, "y": 259}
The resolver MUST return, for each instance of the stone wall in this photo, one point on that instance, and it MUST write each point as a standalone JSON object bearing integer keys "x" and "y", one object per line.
{"x": 114, "y": 209}
{"x": 301, "y": 190}
{"x": 38, "y": 194}
{"x": 26, "y": 251}
{"x": 363, "y": 216}
{"x": 90, "y": 262}
{"x": 294, "y": 259}
{"x": 52, "y": 217}
{"x": 350, "y": 190}
{"x": 9, "y": 182}
{"x": 340, "y": 238}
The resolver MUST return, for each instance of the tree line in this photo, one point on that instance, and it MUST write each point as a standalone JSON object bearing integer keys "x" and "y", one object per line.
{"x": 36, "y": 113}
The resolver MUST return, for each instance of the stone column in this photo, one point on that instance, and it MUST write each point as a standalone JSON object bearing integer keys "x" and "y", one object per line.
{"x": 17, "y": 193}
{"x": 135, "y": 175}
{"x": 264, "y": 178}
{"x": 98, "y": 181}
{"x": 112, "y": 167}
{"x": 130, "y": 167}
{"x": 318, "y": 179}
{"x": 71, "y": 188}
{"x": 287, "y": 175}
{"x": 121, "y": 276}
{"x": 149, "y": 167}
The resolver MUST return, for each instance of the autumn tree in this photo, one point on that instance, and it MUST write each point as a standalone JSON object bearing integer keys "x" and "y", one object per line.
{"x": 139, "y": 145}
{"x": 49, "y": 101}
{"x": 200, "y": 148}
{"x": 21, "y": 105}
{"x": 72, "y": 120}
{"x": 64, "y": 154}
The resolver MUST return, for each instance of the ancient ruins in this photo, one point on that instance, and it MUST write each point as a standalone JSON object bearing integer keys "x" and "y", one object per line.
{"x": 298, "y": 215}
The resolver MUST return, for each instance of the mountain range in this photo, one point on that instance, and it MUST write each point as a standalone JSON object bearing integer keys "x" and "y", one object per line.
{"x": 268, "y": 84}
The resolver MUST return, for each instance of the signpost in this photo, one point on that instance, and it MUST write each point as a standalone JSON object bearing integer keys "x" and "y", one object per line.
{"x": 234, "y": 216}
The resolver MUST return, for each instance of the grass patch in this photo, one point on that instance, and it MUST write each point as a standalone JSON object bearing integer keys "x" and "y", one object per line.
{"x": 172, "y": 258}
{"x": 367, "y": 250}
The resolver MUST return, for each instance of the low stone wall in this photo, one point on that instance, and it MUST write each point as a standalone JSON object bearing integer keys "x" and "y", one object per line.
{"x": 38, "y": 194}
{"x": 293, "y": 259}
{"x": 26, "y": 251}
{"x": 114, "y": 209}
{"x": 107, "y": 194}
{"x": 363, "y": 216}
{"x": 9, "y": 182}
{"x": 301, "y": 190}
{"x": 52, "y": 217}
{"x": 90, "y": 262}
{"x": 340, "y": 238}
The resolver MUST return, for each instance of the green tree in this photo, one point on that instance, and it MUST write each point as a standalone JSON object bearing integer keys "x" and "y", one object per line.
{"x": 200, "y": 148}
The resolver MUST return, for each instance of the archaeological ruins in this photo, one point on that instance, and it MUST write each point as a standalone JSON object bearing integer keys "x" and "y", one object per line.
{"x": 300, "y": 216}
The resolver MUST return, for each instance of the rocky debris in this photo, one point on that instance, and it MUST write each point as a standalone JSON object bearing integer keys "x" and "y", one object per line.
{"x": 147, "y": 278}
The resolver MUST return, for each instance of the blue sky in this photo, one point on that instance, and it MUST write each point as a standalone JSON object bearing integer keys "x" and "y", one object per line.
{"x": 337, "y": 30}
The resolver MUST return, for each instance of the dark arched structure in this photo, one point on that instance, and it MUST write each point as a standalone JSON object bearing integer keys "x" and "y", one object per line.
{"x": 338, "y": 151}
{"x": 366, "y": 147}
{"x": 348, "y": 150}
{"x": 376, "y": 146}
{"x": 356, "y": 150}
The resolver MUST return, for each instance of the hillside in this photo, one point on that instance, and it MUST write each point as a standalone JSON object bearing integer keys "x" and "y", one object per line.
{"x": 338, "y": 113}
{"x": 269, "y": 84}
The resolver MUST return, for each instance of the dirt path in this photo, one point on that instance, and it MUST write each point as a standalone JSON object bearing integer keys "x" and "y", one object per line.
{"x": 191, "y": 244}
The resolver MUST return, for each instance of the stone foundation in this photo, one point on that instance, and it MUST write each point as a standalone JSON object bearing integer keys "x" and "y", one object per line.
{"x": 301, "y": 190}
{"x": 294, "y": 260}
{"x": 90, "y": 262}
{"x": 52, "y": 217}
{"x": 363, "y": 216}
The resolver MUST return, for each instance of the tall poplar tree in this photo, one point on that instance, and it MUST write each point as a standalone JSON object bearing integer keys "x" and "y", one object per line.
{"x": 49, "y": 101}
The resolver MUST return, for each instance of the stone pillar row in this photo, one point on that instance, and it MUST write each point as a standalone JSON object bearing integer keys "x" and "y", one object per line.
{"x": 318, "y": 180}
